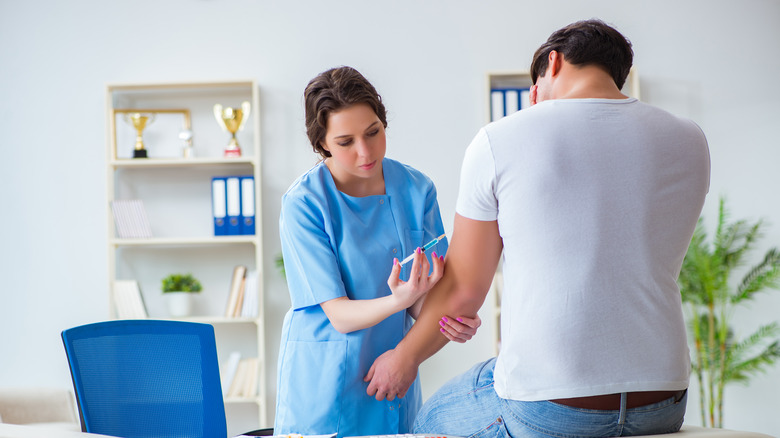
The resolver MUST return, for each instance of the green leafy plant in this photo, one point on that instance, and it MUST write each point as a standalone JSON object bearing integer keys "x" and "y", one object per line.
{"x": 711, "y": 298}
{"x": 181, "y": 283}
{"x": 280, "y": 264}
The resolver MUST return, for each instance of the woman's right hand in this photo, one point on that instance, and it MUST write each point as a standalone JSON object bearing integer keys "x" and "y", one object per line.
{"x": 419, "y": 283}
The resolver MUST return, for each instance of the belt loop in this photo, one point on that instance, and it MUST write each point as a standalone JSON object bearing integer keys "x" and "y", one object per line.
{"x": 623, "y": 401}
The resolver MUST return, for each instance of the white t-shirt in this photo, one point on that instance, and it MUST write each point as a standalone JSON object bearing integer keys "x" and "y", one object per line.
{"x": 596, "y": 202}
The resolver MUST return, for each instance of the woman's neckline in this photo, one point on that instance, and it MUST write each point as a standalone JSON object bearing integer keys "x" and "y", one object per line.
{"x": 333, "y": 181}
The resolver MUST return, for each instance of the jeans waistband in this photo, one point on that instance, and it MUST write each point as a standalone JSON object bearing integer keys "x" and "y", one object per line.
{"x": 611, "y": 402}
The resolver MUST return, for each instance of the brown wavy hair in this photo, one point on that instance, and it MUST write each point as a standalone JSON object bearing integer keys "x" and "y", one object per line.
{"x": 334, "y": 90}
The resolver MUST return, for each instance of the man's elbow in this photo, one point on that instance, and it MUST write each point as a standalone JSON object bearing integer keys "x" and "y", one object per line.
{"x": 466, "y": 300}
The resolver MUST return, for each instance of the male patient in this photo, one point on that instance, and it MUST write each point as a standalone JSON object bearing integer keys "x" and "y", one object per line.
{"x": 593, "y": 198}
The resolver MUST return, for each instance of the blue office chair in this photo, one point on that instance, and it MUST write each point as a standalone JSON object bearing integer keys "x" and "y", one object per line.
{"x": 146, "y": 378}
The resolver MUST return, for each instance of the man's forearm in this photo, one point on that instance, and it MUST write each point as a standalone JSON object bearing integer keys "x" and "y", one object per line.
{"x": 468, "y": 271}
{"x": 424, "y": 338}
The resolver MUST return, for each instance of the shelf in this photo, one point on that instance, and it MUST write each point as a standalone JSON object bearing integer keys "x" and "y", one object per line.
{"x": 176, "y": 193}
{"x": 219, "y": 320}
{"x": 180, "y": 162}
{"x": 184, "y": 241}
{"x": 237, "y": 400}
{"x": 188, "y": 88}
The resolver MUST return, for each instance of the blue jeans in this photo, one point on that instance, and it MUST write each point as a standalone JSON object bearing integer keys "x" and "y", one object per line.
{"x": 469, "y": 406}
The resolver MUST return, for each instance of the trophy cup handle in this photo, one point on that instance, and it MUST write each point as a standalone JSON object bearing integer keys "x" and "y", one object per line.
{"x": 245, "y": 108}
{"x": 218, "y": 116}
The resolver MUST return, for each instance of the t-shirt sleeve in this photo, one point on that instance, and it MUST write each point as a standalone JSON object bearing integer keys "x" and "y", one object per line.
{"x": 702, "y": 140}
{"x": 476, "y": 195}
{"x": 310, "y": 265}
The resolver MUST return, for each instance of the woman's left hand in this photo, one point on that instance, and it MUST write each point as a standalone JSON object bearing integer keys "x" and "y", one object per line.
{"x": 460, "y": 329}
{"x": 407, "y": 293}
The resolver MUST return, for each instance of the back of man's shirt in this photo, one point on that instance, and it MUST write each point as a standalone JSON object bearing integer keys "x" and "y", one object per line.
{"x": 596, "y": 202}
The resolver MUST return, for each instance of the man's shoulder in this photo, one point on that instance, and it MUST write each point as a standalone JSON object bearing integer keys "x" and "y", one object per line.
{"x": 653, "y": 114}
{"x": 555, "y": 111}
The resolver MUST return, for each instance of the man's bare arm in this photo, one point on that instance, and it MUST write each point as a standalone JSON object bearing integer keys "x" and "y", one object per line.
{"x": 470, "y": 264}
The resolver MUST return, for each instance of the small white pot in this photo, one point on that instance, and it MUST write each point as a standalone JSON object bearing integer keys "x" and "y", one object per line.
{"x": 179, "y": 303}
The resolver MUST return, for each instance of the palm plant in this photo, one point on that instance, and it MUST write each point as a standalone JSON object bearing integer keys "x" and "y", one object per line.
{"x": 711, "y": 299}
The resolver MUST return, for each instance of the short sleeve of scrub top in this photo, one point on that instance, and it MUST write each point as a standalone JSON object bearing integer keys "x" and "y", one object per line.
{"x": 309, "y": 262}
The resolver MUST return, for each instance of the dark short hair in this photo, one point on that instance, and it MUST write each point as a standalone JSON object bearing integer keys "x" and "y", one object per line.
{"x": 587, "y": 42}
{"x": 334, "y": 90}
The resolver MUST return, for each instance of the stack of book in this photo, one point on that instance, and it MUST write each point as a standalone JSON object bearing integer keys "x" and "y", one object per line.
{"x": 130, "y": 219}
{"x": 128, "y": 301}
{"x": 240, "y": 377}
{"x": 243, "y": 298}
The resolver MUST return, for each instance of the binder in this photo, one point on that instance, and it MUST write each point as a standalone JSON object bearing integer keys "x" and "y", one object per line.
{"x": 496, "y": 105}
{"x": 512, "y": 101}
{"x": 247, "y": 205}
{"x": 525, "y": 98}
{"x": 233, "y": 198}
{"x": 219, "y": 205}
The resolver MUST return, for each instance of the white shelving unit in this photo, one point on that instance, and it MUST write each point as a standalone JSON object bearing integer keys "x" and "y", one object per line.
{"x": 520, "y": 79}
{"x": 176, "y": 192}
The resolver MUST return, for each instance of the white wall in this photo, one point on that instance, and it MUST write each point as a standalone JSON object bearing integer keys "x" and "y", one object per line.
{"x": 713, "y": 61}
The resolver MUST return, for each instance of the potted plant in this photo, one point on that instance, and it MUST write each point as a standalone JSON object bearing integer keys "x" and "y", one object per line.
{"x": 711, "y": 297}
{"x": 178, "y": 290}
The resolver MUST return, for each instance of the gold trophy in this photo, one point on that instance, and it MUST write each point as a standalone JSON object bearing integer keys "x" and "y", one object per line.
{"x": 232, "y": 120}
{"x": 139, "y": 122}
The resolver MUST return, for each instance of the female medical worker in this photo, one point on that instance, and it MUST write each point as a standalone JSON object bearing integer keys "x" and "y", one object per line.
{"x": 344, "y": 225}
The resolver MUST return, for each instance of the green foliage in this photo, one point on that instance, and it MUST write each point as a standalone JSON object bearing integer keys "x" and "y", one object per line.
{"x": 707, "y": 289}
{"x": 280, "y": 264}
{"x": 181, "y": 283}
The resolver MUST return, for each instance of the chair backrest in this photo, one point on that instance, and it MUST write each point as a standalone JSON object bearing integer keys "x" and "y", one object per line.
{"x": 146, "y": 378}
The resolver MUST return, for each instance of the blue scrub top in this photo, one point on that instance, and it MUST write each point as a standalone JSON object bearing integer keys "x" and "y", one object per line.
{"x": 336, "y": 245}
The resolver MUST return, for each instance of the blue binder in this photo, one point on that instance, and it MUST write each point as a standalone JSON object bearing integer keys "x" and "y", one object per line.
{"x": 233, "y": 197}
{"x": 524, "y": 94}
{"x": 497, "y": 109}
{"x": 247, "y": 205}
{"x": 505, "y": 101}
{"x": 219, "y": 205}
